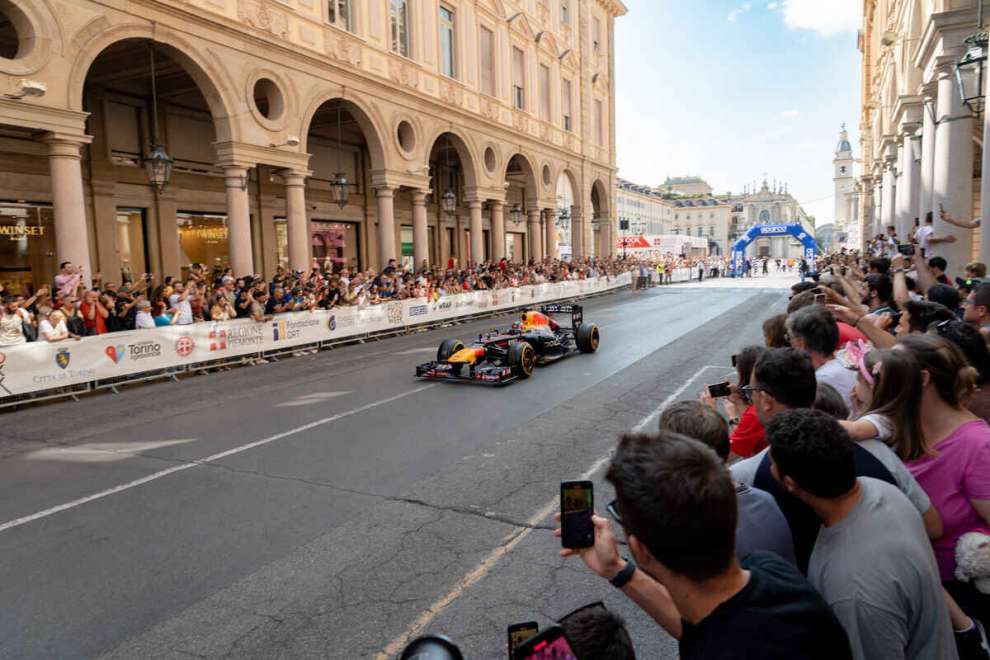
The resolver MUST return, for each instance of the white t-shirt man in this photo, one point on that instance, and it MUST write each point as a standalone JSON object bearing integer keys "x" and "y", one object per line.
{"x": 842, "y": 379}
{"x": 921, "y": 236}
{"x": 183, "y": 307}
{"x": 143, "y": 320}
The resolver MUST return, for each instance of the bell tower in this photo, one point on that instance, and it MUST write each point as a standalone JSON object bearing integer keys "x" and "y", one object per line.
{"x": 843, "y": 180}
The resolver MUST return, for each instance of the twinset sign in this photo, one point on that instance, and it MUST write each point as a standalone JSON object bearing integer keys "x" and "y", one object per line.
{"x": 38, "y": 366}
{"x": 21, "y": 232}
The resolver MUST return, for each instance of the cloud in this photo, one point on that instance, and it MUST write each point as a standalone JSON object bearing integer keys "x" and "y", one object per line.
{"x": 790, "y": 114}
{"x": 741, "y": 9}
{"x": 825, "y": 18}
{"x": 773, "y": 6}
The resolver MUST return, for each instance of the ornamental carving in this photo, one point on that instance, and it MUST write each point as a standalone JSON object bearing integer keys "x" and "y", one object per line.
{"x": 258, "y": 14}
{"x": 342, "y": 49}
{"x": 451, "y": 94}
{"x": 489, "y": 108}
{"x": 403, "y": 73}
{"x": 519, "y": 121}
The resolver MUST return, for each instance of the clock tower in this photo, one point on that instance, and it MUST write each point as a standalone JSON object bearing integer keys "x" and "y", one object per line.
{"x": 843, "y": 180}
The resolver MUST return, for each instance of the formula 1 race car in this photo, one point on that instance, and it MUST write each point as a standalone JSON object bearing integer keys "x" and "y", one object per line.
{"x": 507, "y": 354}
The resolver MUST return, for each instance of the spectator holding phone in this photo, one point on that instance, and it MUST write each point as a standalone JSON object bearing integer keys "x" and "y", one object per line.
{"x": 676, "y": 502}
{"x": 747, "y": 431}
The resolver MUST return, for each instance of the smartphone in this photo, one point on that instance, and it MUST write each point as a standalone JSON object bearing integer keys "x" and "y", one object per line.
{"x": 820, "y": 299}
{"x": 735, "y": 358}
{"x": 719, "y": 391}
{"x": 519, "y": 633}
{"x": 551, "y": 644}
{"x": 907, "y": 249}
{"x": 577, "y": 503}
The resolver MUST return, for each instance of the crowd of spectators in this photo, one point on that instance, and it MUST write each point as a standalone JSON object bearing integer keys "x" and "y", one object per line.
{"x": 69, "y": 309}
{"x": 837, "y": 503}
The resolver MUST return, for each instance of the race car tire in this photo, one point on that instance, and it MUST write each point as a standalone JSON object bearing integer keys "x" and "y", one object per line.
{"x": 587, "y": 338}
{"x": 522, "y": 357}
{"x": 448, "y": 348}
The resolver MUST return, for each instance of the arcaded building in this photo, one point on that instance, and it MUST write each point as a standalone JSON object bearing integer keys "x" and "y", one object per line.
{"x": 146, "y": 135}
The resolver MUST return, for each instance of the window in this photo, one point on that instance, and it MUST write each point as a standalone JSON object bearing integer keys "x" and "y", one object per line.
{"x": 399, "y": 19}
{"x": 544, "y": 92}
{"x": 518, "y": 78}
{"x": 596, "y": 33}
{"x": 565, "y": 13}
{"x": 487, "y": 41}
{"x": 339, "y": 13}
{"x": 565, "y": 103}
{"x": 599, "y": 123}
{"x": 447, "y": 42}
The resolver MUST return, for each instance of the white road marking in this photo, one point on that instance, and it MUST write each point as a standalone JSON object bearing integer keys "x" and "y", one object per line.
{"x": 204, "y": 461}
{"x": 415, "y": 351}
{"x": 310, "y": 399}
{"x": 101, "y": 452}
{"x": 482, "y": 569}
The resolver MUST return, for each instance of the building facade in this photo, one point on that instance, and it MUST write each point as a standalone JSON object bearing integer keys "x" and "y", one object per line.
{"x": 341, "y": 130}
{"x": 646, "y": 210}
{"x": 921, "y": 144}
{"x": 686, "y": 185}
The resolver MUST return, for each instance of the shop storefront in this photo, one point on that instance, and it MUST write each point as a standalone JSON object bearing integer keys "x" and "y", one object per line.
{"x": 27, "y": 247}
{"x": 202, "y": 239}
{"x": 336, "y": 242}
{"x": 408, "y": 255}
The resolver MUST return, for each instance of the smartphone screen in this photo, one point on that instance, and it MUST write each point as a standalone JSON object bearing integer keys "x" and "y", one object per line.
{"x": 551, "y": 644}
{"x": 576, "y": 507}
{"x": 719, "y": 390}
{"x": 907, "y": 249}
{"x": 519, "y": 633}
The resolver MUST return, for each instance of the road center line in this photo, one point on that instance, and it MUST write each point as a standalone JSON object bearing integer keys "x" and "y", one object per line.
{"x": 204, "y": 461}
{"x": 486, "y": 564}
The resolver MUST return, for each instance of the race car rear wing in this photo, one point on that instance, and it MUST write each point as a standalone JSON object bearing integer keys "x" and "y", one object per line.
{"x": 576, "y": 312}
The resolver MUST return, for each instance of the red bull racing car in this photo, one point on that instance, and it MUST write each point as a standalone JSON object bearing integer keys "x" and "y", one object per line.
{"x": 507, "y": 354}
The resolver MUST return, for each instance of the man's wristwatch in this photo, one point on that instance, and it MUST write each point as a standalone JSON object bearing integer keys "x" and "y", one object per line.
{"x": 622, "y": 577}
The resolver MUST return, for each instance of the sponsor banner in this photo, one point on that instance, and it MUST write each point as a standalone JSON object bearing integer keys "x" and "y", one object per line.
{"x": 39, "y": 366}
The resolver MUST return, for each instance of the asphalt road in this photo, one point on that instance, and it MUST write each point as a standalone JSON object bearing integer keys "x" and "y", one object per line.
{"x": 331, "y": 505}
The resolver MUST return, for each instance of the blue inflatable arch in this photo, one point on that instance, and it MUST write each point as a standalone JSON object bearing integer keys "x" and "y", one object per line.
{"x": 757, "y": 231}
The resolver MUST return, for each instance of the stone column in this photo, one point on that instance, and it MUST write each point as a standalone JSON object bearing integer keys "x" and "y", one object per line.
{"x": 477, "y": 231}
{"x": 887, "y": 203}
{"x": 577, "y": 233}
{"x": 296, "y": 222}
{"x": 928, "y": 130}
{"x": 985, "y": 192}
{"x": 238, "y": 221}
{"x": 535, "y": 240}
{"x": 551, "y": 231}
{"x": 900, "y": 200}
{"x": 911, "y": 189}
{"x": 498, "y": 230}
{"x": 386, "y": 225}
{"x": 421, "y": 232}
{"x": 71, "y": 230}
{"x": 953, "y": 179}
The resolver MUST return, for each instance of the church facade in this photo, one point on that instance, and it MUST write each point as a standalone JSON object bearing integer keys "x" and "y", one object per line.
{"x": 768, "y": 205}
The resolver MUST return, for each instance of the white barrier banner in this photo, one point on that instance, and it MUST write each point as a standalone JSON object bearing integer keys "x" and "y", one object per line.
{"x": 39, "y": 365}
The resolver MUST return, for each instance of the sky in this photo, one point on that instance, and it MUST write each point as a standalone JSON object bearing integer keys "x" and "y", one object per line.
{"x": 731, "y": 89}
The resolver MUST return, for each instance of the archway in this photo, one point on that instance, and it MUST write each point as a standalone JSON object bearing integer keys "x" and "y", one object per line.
{"x": 116, "y": 89}
{"x": 756, "y": 231}
{"x": 601, "y": 220}
{"x": 567, "y": 212}
{"x": 452, "y": 171}
{"x": 344, "y": 148}
{"x": 523, "y": 231}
